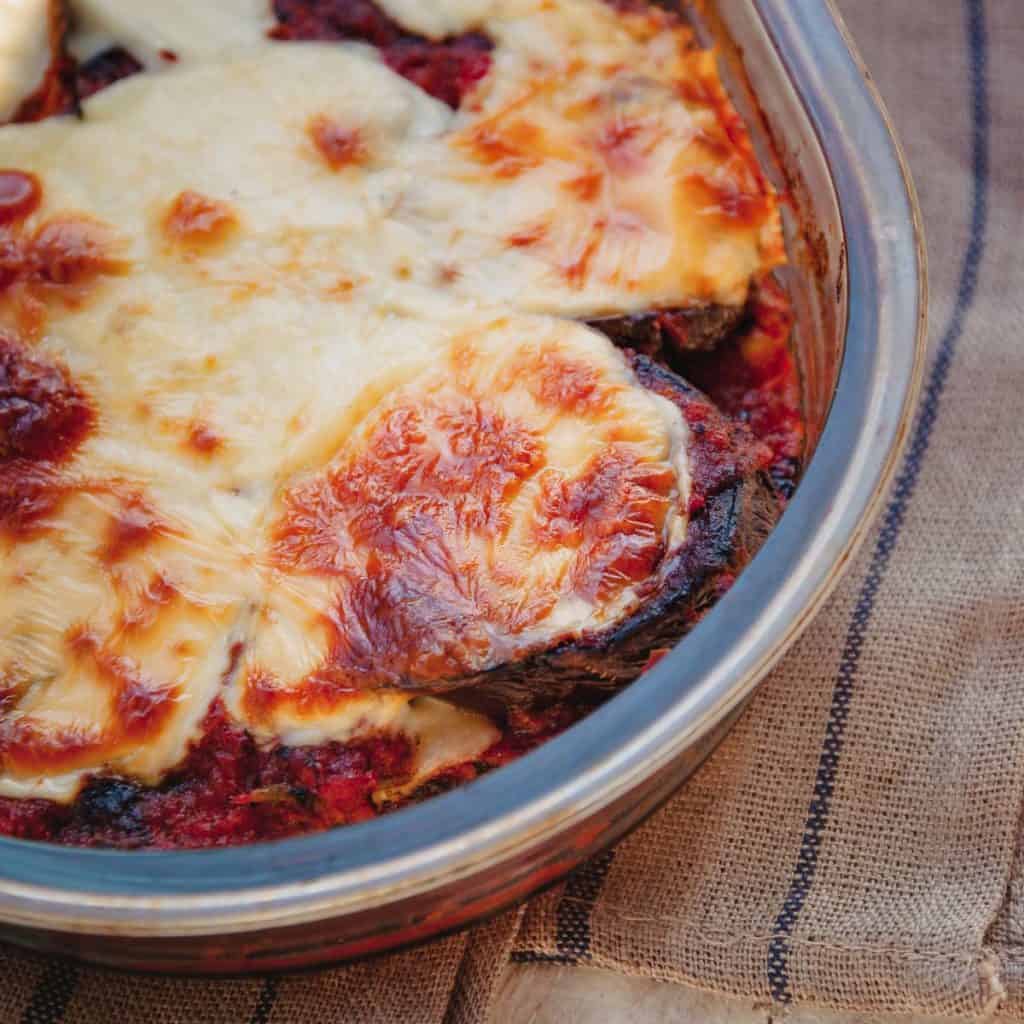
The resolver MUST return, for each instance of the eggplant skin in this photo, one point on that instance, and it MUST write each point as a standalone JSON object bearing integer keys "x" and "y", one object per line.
{"x": 738, "y": 509}
{"x": 666, "y": 334}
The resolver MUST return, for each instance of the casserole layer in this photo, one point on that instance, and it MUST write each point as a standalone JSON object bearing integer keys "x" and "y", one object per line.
{"x": 296, "y": 420}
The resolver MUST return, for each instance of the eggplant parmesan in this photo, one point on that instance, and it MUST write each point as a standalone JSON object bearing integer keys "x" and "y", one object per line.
{"x": 348, "y": 444}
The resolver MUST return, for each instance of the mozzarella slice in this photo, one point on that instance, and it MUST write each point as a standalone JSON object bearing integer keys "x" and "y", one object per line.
{"x": 110, "y": 658}
{"x": 24, "y": 51}
{"x": 517, "y": 491}
{"x": 438, "y": 20}
{"x": 157, "y": 33}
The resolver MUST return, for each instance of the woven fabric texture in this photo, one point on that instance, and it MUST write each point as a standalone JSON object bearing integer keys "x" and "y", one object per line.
{"x": 855, "y": 840}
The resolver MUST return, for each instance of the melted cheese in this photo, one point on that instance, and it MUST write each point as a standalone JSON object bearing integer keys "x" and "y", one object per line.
{"x": 439, "y": 539}
{"x": 315, "y": 277}
{"x": 438, "y": 20}
{"x": 444, "y": 737}
{"x": 599, "y": 168}
{"x": 151, "y": 29}
{"x": 24, "y": 51}
{"x": 112, "y": 663}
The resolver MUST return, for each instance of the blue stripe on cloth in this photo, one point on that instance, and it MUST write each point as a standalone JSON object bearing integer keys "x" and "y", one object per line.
{"x": 265, "y": 1004}
{"x": 52, "y": 993}
{"x": 528, "y": 956}
{"x": 777, "y": 964}
{"x": 572, "y": 931}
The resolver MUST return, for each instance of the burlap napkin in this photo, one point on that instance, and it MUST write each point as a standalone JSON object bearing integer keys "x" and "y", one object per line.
{"x": 854, "y": 841}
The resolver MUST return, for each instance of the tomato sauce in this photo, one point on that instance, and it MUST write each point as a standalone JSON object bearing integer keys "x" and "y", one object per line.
{"x": 229, "y": 790}
{"x": 753, "y": 377}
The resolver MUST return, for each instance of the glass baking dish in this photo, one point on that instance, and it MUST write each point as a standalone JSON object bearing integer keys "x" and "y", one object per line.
{"x": 858, "y": 282}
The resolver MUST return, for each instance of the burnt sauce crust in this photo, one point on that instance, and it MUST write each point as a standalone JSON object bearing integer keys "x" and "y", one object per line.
{"x": 737, "y": 509}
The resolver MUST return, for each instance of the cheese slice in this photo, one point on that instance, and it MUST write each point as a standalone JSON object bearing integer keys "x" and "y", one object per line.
{"x": 449, "y": 18}
{"x": 517, "y": 491}
{"x": 342, "y": 449}
{"x": 598, "y": 168}
{"x": 157, "y": 33}
{"x": 110, "y": 659}
{"x": 24, "y": 51}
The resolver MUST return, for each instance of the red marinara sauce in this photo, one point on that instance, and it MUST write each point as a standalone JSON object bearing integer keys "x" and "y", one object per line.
{"x": 753, "y": 377}
{"x": 229, "y": 790}
{"x": 20, "y": 196}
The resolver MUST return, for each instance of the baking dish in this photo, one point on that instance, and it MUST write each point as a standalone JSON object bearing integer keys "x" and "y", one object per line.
{"x": 857, "y": 282}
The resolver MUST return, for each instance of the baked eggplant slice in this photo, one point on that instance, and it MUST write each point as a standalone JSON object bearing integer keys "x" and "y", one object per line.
{"x": 595, "y": 197}
{"x": 535, "y": 509}
{"x": 665, "y": 334}
{"x": 733, "y": 509}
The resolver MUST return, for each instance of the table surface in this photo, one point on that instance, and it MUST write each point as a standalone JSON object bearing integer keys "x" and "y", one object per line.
{"x": 580, "y": 995}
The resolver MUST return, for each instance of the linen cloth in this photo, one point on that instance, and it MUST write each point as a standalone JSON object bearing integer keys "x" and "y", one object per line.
{"x": 855, "y": 841}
